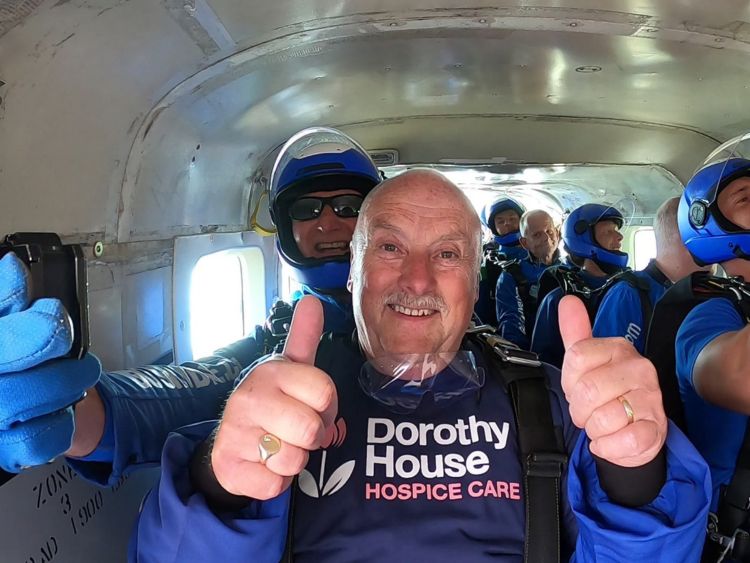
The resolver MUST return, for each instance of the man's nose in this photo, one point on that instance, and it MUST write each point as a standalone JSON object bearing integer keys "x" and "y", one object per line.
{"x": 417, "y": 274}
{"x": 328, "y": 220}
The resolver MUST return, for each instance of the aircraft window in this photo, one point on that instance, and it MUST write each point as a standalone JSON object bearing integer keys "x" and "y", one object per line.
{"x": 227, "y": 298}
{"x": 644, "y": 247}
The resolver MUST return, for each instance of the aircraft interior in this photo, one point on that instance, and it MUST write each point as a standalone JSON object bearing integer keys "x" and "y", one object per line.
{"x": 146, "y": 130}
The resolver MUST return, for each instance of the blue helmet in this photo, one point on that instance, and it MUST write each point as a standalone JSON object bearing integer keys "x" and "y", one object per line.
{"x": 487, "y": 215}
{"x": 709, "y": 236}
{"x": 316, "y": 159}
{"x": 578, "y": 236}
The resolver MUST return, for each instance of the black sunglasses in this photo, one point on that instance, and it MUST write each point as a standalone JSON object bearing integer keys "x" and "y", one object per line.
{"x": 308, "y": 208}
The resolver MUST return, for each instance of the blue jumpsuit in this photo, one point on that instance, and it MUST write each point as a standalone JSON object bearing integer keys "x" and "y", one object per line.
{"x": 443, "y": 483}
{"x": 715, "y": 431}
{"x": 485, "y": 307}
{"x": 515, "y": 307}
{"x": 620, "y": 312}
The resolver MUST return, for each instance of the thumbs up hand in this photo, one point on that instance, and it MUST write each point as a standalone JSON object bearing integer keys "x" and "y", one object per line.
{"x": 285, "y": 396}
{"x": 612, "y": 391}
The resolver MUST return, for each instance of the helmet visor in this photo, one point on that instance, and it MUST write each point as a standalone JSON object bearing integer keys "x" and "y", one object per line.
{"x": 622, "y": 212}
{"x": 725, "y": 164}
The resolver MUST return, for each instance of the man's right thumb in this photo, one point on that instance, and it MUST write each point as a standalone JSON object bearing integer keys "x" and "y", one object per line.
{"x": 305, "y": 332}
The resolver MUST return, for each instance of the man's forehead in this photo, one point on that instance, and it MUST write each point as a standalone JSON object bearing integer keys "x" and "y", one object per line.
{"x": 540, "y": 220}
{"x": 738, "y": 184}
{"x": 442, "y": 227}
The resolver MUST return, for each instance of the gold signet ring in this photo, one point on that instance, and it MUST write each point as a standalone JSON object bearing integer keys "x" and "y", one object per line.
{"x": 269, "y": 445}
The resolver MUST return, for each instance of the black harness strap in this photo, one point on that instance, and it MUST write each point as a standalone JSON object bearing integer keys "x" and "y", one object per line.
{"x": 640, "y": 284}
{"x": 543, "y": 453}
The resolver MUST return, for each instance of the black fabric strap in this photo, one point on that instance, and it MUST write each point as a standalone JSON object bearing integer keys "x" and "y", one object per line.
{"x": 543, "y": 455}
{"x": 543, "y": 466}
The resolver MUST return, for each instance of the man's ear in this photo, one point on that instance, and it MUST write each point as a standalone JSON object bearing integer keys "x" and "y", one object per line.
{"x": 522, "y": 240}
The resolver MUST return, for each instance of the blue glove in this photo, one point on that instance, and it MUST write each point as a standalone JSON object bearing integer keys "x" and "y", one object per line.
{"x": 36, "y": 391}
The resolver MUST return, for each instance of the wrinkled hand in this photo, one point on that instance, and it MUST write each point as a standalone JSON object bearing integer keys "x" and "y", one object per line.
{"x": 285, "y": 396}
{"x": 595, "y": 372}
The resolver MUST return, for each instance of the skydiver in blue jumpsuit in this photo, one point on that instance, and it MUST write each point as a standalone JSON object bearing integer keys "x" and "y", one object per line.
{"x": 502, "y": 217}
{"x": 516, "y": 291}
{"x": 407, "y": 451}
{"x": 591, "y": 236}
{"x": 126, "y": 415}
{"x": 622, "y": 309}
{"x": 713, "y": 343}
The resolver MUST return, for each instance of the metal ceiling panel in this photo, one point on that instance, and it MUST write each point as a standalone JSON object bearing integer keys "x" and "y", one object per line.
{"x": 113, "y": 98}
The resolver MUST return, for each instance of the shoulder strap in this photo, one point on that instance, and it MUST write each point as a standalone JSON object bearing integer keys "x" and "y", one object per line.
{"x": 513, "y": 267}
{"x": 644, "y": 292}
{"x": 543, "y": 455}
{"x": 552, "y": 278}
{"x": 668, "y": 314}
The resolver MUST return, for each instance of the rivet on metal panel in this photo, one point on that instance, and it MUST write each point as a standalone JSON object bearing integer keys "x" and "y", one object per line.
{"x": 573, "y": 24}
{"x": 98, "y": 249}
{"x": 483, "y": 20}
{"x": 393, "y": 24}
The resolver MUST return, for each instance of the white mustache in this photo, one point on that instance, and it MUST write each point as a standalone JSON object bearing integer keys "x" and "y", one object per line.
{"x": 433, "y": 302}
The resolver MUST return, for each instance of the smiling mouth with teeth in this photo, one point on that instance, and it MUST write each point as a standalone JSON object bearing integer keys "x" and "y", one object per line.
{"x": 338, "y": 245}
{"x": 413, "y": 312}
{"x": 331, "y": 248}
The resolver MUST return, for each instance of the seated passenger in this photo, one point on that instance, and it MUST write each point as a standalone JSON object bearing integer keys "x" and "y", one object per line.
{"x": 625, "y": 308}
{"x": 405, "y": 452}
{"x": 591, "y": 237}
{"x": 318, "y": 184}
{"x": 712, "y": 349}
{"x": 502, "y": 217}
{"x": 518, "y": 284}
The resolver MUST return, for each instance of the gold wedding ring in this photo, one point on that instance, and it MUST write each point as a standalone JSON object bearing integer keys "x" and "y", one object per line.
{"x": 628, "y": 409}
{"x": 269, "y": 445}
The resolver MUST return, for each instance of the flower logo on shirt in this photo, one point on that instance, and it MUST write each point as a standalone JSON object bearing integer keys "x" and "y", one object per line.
{"x": 317, "y": 488}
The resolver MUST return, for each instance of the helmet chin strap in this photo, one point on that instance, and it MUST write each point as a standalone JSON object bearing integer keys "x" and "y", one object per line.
{"x": 739, "y": 253}
{"x": 609, "y": 269}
